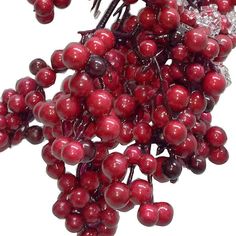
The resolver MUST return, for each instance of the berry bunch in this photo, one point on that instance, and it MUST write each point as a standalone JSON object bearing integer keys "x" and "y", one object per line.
{"x": 151, "y": 81}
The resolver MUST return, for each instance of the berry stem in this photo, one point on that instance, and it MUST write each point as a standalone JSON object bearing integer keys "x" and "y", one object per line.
{"x": 131, "y": 175}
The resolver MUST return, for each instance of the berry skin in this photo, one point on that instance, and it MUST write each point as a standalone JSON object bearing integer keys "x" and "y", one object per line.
{"x": 172, "y": 168}
{"x": 107, "y": 37}
{"x": 61, "y": 3}
{"x": 141, "y": 192}
{"x": 196, "y": 40}
{"x": 36, "y": 65}
{"x": 79, "y": 197}
{"x": 195, "y": 72}
{"x": 147, "y": 164}
{"x": 142, "y": 132}
{"x": 56, "y": 61}
{"x": 169, "y": 18}
{"x": 165, "y": 212}
{"x": 68, "y": 107}
{"x": 148, "y": 214}
{"x": 148, "y": 48}
{"x": 96, "y": 46}
{"x": 108, "y": 128}
{"x": 25, "y": 85}
{"x": 75, "y": 56}
{"x": 218, "y": 155}
{"x": 61, "y": 209}
{"x": 110, "y": 218}
{"x": 177, "y": 97}
{"x": 147, "y": 17}
{"x": 43, "y": 7}
{"x": 214, "y": 84}
{"x": 74, "y": 223}
{"x": 175, "y": 132}
{"x": 197, "y": 164}
{"x": 99, "y": 102}
{"x": 117, "y": 195}
{"x": 216, "y": 136}
{"x": 46, "y": 77}
{"x": 72, "y": 153}
{"x": 115, "y": 166}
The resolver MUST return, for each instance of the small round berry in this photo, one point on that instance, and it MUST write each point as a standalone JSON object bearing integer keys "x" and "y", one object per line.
{"x": 117, "y": 195}
{"x": 72, "y": 153}
{"x": 218, "y": 155}
{"x": 196, "y": 40}
{"x": 34, "y": 134}
{"x": 141, "y": 192}
{"x": 56, "y": 170}
{"x": 91, "y": 213}
{"x": 147, "y": 164}
{"x": 110, "y": 217}
{"x": 216, "y": 136}
{"x": 96, "y": 66}
{"x": 175, "y": 132}
{"x": 195, "y": 72}
{"x": 159, "y": 174}
{"x": 61, "y": 209}
{"x": 169, "y": 18}
{"x": 75, "y": 56}
{"x": 165, "y": 212}
{"x": 79, "y": 197}
{"x": 142, "y": 133}
{"x": 107, "y": 37}
{"x": 74, "y": 223}
{"x": 46, "y": 77}
{"x": 197, "y": 164}
{"x": 147, "y": 17}
{"x": 177, "y": 97}
{"x": 214, "y": 84}
{"x": 25, "y": 85}
{"x": 61, "y": 3}
{"x": 148, "y": 214}
{"x": 96, "y": 46}
{"x": 43, "y": 7}
{"x": 115, "y": 166}
{"x": 99, "y": 102}
{"x": 172, "y": 168}
{"x": 148, "y": 48}
{"x": 108, "y": 128}
{"x": 57, "y": 62}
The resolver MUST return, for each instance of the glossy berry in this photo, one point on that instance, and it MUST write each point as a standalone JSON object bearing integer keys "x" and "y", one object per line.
{"x": 72, "y": 153}
{"x": 74, "y": 223}
{"x": 165, "y": 212}
{"x": 75, "y": 56}
{"x": 99, "y": 102}
{"x": 45, "y": 77}
{"x": 110, "y": 217}
{"x": 117, "y": 195}
{"x": 169, "y": 18}
{"x": 141, "y": 192}
{"x": 147, "y": 164}
{"x": 43, "y": 7}
{"x": 61, "y": 209}
{"x": 61, "y": 3}
{"x": 175, "y": 132}
{"x": 172, "y": 168}
{"x": 148, "y": 214}
{"x": 216, "y": 136}
{"x": 218, "y": 155}
{"x": 79, "y": 197}
{"x": 148, "y": 48}
{"x": 115, "y": 166}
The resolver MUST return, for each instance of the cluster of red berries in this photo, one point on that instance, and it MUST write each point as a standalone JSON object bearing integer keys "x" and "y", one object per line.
{"x": 44, "y": 9}
{"x": 150, "y": 81}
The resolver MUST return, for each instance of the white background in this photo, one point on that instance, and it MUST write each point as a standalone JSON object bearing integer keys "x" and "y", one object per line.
{"x": 204, "y": 205}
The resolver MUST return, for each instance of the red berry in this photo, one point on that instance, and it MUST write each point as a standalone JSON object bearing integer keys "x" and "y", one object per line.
{"x": 165, "y": 212}
{"x": 148, "y": 214}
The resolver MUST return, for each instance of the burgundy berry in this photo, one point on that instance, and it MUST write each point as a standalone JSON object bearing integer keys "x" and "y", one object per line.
{"x": 56, "y": 61}
{"x": 148, "y": 214}
{"x": 107, "y": 37}
{"x": 214, "y": 84}
{"x": 165, "y": 212}
{"x": 147, "y": 17}
{"x": 45, "y": 19}
{"x": 99, "y": 102}
{"x": 58, "y": 145}
{"x": 43, "y": 7}
{"x": 33, "y": 97}
{"x": 117, "y": 195}
{"x": 34, "y": 134}
{"x": 61, "y": 3}
{"x": 126, "y": 133}
{"x": 141, "y": 192}
{"x": 89, "y": 180}
{"x": 61, "y": 209}
{"x": 96, "y": 66}
{"x": 133, "y": 154}
{"x": 25, "y": 85}
{"x": 75, "y": 56}
{"x": 197, "y": 164}
{"x": 96, "y": 46}
{"x": 169, "y": 18}
{"x": 196, "y": 40}
{"x": 160, "y": 116}
{"x": 172, "y": 168}
{"x": 216, "y": 136}
{"x": 45, "y": 77}
{"x": 195, "y": 72}
{"x": 68, "y": 107}
{"x": 218, "y": 155}
{"x": 197, "y": 102}
{"x": 56, "y": 170}
{"x": 175, "y": 132}
{"x": 159, "y": 174}
{"x": 79, "y": 197}
{"x": 115, "y": 166}
{"x": 16, "y": 103}
{"x": 91, "y": 213}
{"x": 67, "y": 182}
{"x": 147, "y": 164}
{"x": 108, "y": 128}
{"x": 142, "y": 132}
{"x": 148, "y": 48}
{"x": 110, "y": 217}
{"x": 80, "y": 84}
{"x": 74, "y": 223}
{"x": 177, "y": 97}
{"x": 72, "y": 153}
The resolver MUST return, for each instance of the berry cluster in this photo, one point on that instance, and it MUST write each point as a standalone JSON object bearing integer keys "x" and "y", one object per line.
{"x": 44, "y": 9}
{"x": 151, "y": 81}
